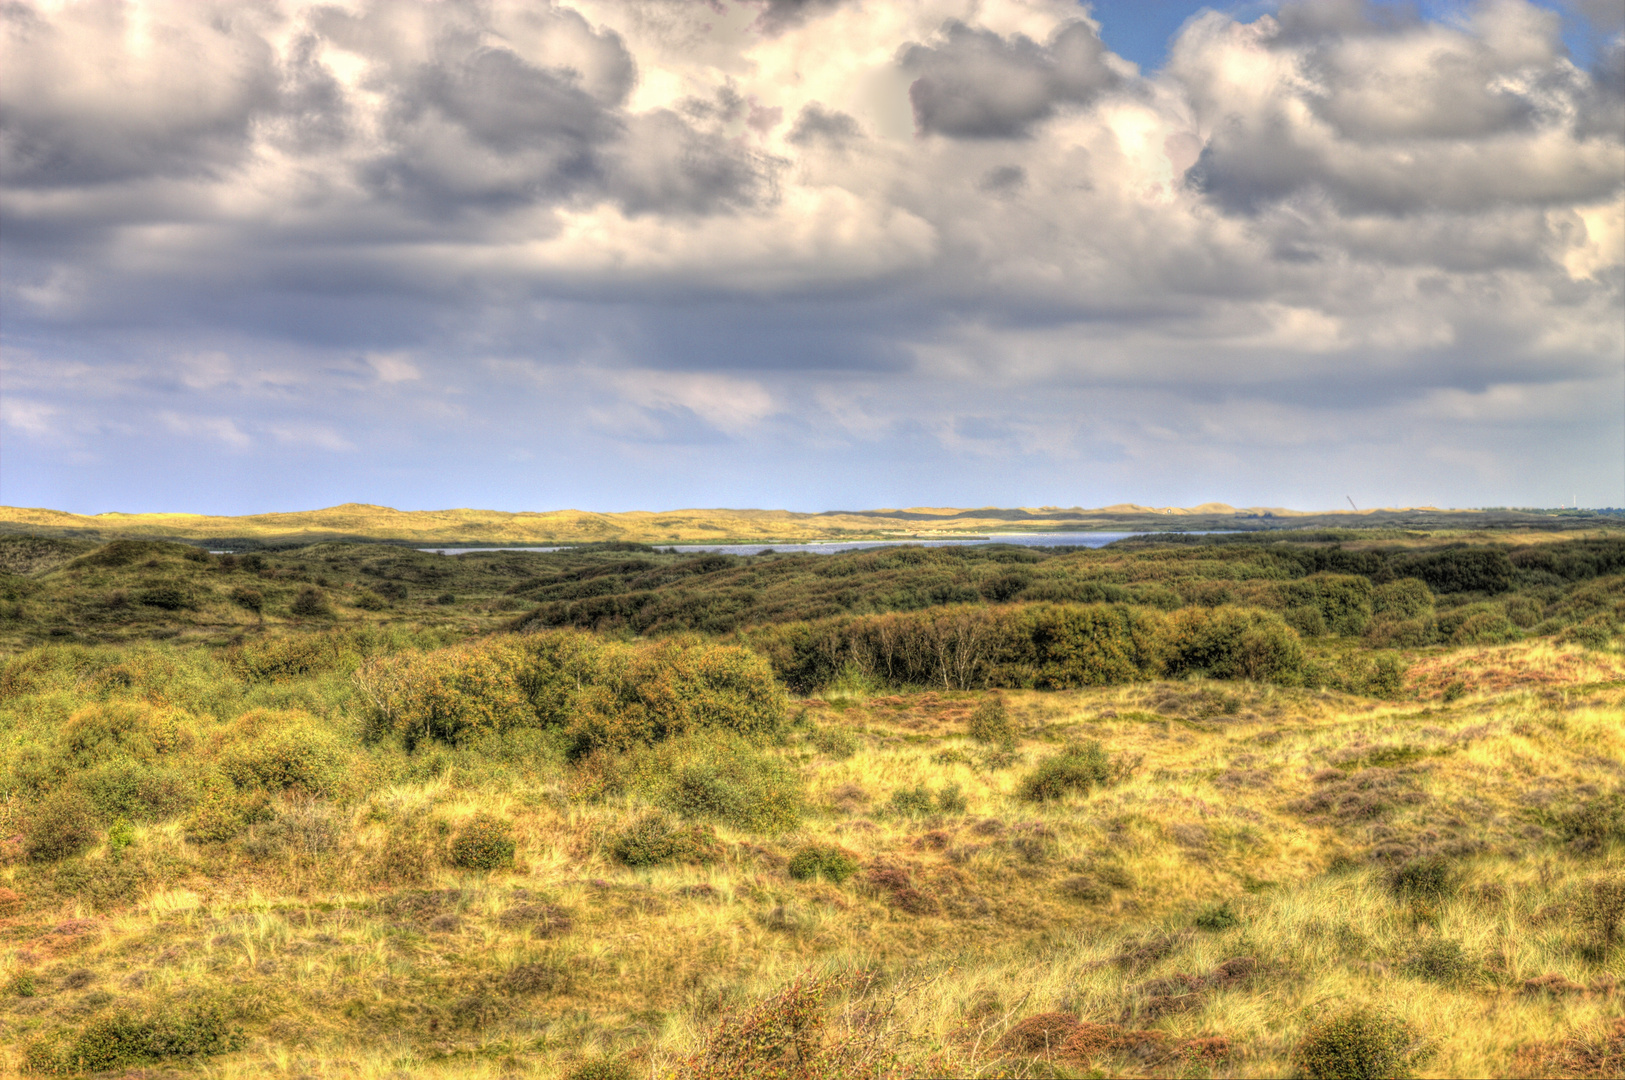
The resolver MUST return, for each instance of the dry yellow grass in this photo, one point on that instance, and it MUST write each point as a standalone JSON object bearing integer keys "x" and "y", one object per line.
{"x": 1287, "y": 805}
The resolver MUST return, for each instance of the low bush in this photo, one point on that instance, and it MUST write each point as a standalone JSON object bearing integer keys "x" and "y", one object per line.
{"x": 835, "y": 742}
{"x": 603, "y": 1068}
{"x": 1442, "y": 961}
{"x": 1077, "y": 769}
{"x": 248, "y": 599}
{"x": 284, "y": 750}
{"x": 732, "y": 784}
{"x": 484, "y": 842}
{"x": 1596, "y": 822}
{"x": 61, "y": 825}
{"x": 1407, "y": 598}
{"x": 990, "y": 723}
{"x": 1358, "y": 1044}
{"x": 1218, "y": 917}
{"x": 311, "y": 603}
{"x": 655, "y": 839}
{"x": 1601, "y": 911}
{"x": 122, "y": 1040}
{"x": 1431, "y": 878}
{"x": 912, "y": 802}
{"x": 822, "y": 861}
{"x": 1233, "y": 643}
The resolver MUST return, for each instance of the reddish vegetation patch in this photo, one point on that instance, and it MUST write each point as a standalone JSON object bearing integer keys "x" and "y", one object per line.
{"x": 1552, "y": 983}
{"x": 1180, "y": 992}
{"x": 1090, "y": 1041}
{"x": 1042, "y": 1034}
{"x": 11, "y": 901}
{"x": 65, "y": 936}
{"x": 1498, "y": 670}
{"x": 897, "y": 884}
{"x": 1598, "y": 1053}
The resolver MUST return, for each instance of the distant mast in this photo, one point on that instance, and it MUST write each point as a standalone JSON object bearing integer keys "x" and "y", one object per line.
{"x": 1350, "y": 498}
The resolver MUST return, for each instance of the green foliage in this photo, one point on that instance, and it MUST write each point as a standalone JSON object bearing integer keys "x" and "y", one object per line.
{"x": 484, "y": 842}
{"x": 121, "y": 1040}
{"x": 311, "y": 603}
{"x": 1330, "y": 603}
{"x": 1233, "y": 643}
{"x": 248, "y": 599}
{"x": 729, "y": 782}
{"x": 1601, "y": 911}
{"x": 830, "y": 863}
{"x": 60, "y": 825}
{"x": 285, "y": 750}
{"x": 22, "y": 983}
{"x": 835, "y": 742}
{"x": 656, "y": 838}
{"x": 1218, "y": 917}
{"x": 1077, "y": 769}
{"x": 990, "y": 723}
{"x": 1406, "y": 598}
{"x": 603, "y": 1068}
{"x": 912, "y": 802}
{"x": 1430, "y": 878}
{"x": 120, "y": 835}
{"x": 1484, "y": 570}
{"x": 1442, "y": 961}
{"x": 787, "y": 1036}
{"x": 1358, "y": 1044}
{"x": 1596, "y": 822}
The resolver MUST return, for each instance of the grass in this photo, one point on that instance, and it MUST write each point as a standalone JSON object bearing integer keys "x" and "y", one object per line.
{"x": 258, "y": 881}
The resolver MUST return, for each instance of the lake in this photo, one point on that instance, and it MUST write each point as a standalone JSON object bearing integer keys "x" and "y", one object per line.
{"x": 1055, "y": 539}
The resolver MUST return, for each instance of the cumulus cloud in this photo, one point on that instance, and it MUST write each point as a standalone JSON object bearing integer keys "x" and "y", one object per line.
{"x": 906, "y": 231}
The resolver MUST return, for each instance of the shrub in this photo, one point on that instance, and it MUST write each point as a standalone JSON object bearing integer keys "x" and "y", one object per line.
{"x": 1357, "y": 1044}
{"x": 311, "y": 603}
{"x": 835, "y": 742}
{"x": 1071, "y": 646}
{"x": 951, "y": 800}
{"x": 284, "y": 750}
{"x": 122, "y": 1039}
{"x": 248, "y": 599}
{"x": 1218, "y": 917}
{"x": 912, "y": 802}
{"x": 1431, "y": 878}
{"x": 603, "y": 1068}
{"x": 1407, "y": 598}
{"x": 1483, "y": 628}
{"x": 367, "y": 600}
{"x": 1078, "y": 768}
{"x": 61, "y": 825}
{"x": 990, "y": 723}
{"x": 1596, "y": 822}
{"x": 812, "y": 861}
{"x": 167, "y": 597}
{"x": 1343, "y": 601}
{"x": 655, "y": 839}
{"x": 1601, "y": 909}
{"x": 1233, "y": 643}
{"x": 1462, "y": 570}
{"x": 729, "y": 782}
{"x": 484, "y": 842}
{"x": 1442, "y": 961}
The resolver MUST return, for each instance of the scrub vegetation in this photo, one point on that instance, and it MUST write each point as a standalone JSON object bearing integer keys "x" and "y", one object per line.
{"x": 1316, "y": 805}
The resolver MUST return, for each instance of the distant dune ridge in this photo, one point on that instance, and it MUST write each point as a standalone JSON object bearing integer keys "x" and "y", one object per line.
{"x": 492, "y": 527}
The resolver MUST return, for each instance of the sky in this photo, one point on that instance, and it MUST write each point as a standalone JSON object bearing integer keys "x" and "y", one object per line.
{"x": 262, "y": 255}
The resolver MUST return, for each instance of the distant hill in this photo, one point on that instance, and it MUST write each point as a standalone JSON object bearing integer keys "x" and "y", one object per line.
{"x": 359, "y": 521}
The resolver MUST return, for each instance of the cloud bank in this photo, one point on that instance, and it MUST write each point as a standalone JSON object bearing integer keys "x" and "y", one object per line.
{"x": 641, "y": 253}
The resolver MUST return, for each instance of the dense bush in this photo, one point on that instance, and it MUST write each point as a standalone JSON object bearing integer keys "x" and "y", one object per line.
{"x": 1339, "y": 603}
{"x": 1430, "y": 878}
{"x": 311, "y": 603}
{"x": 122, "y": 1039}
{"x": 1406, "y": 598}
{"x": 605, "y": 694}
{"x": 1596, "y": 822}
{"x": 284, "y": 750}
{"x": 656, "y": 838}
{"x": 1078, "y": 768}
{"x": 61, "y": 825}
{"x": 1233, "y": 643}
{"x": 824, "y": 861}
{"x": 483, "y": 842}
{"x": 1484, "y": 570}
{"x": 990, "y": 723}
{"x": 1357, "y": 1044}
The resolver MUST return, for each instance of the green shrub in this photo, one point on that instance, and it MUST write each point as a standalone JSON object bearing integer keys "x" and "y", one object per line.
{"x": 1357, "y": 1044}
{"x": 734, "y": 785}
{"x": 603, "y": 1068}
{"x": 1595, "y": 823}
{"x": 1592, "y": 633}
{"x": 1407, "y": 598}
{"x": 1601, "y": 910}
{"x": 951, "y": 800}
{"x": 248, "y": 599}
{"x": 1078, "y": 768}
{"x": 1431, "y": 878}
{"x": 1233, "y": 643}
{"x": 822, "y": 861}
{"x": 367, "y": 600}
{"x": 61, "y": 825}
{"x": 656, "y": 838}
{"x": 122, "y": 1039}
{"x": 912, "y": 802}
{"x": 311, "y": 603}
{"x": 1442, "y": 961}
{"x": 1402, "y": 633}
{"x": 484, "y": 842}
{"x": 1307, "y": 621}
{"x": 835, "y": 742}
{"x": 167, "y": 597}
{"x": 1071, "y": 646}
{"x": 285, "y": 750}
{"x": 22, "y": 983}
{"x": 1217, "y": 917}
{"x": 1482, "y": 628}
{"x": 990, "y": 723}
{"x": 1343, "y": 601}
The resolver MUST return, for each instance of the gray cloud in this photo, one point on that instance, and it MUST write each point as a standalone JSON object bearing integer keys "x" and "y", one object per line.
{"x": 977, "y": 84}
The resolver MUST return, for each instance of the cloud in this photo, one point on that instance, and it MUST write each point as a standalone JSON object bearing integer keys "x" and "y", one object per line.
{"x": 977, "y": 84}
{"x": 789, "y": 246}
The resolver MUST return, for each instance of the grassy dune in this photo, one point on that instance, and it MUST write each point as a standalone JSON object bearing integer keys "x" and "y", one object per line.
{"x": 377, "y": 841}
